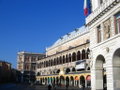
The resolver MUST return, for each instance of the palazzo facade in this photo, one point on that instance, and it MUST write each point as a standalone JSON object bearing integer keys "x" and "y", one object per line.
{"x": 67, "y": 61}
{"x": 104, "y": 26}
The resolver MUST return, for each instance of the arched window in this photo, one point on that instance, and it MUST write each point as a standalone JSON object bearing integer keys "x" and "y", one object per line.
{"x": 60, "y": 60}
{"x": 83, "y": 54}
{"x": 49, "y": 63}
{"x": 87, "y": 53}
{"x": 66, "y": 58}
{"x": 57, "y": 61}
{"x": 74, "y": 57}
{"x": 69, "y": 58}
{"x": 78, "y": 56}
{"x": 63, "y": 59}
{"x": 44, "y": 64}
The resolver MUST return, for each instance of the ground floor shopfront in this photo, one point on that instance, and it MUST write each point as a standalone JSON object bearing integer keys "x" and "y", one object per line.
{"x": 76, "y": 80}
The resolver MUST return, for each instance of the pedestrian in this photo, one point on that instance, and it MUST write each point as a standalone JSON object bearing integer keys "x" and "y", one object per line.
{"x": 83, "y": 86}
{"x": 66, "y": 86}
{"x": 49, "y": 87}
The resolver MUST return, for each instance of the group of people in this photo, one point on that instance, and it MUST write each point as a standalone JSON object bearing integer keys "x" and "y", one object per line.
{"x": 50, "y": 86}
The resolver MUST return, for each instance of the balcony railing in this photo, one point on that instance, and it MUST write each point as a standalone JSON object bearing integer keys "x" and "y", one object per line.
{"x": 101, "y": 9}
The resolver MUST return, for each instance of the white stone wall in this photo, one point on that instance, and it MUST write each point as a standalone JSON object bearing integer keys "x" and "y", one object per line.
{"x": 97, "y": 49}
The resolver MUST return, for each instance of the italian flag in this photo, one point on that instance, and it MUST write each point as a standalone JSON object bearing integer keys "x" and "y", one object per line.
{"x": 87, "y": 7}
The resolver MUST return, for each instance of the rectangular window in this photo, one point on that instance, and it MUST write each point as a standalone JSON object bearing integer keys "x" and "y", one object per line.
{"x": 98, "y": 34}
{"x": 107, "y": 29}
{"x": 117, "y": 23}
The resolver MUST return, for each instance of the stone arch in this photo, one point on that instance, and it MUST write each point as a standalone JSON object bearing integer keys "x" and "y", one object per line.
{"x": 38, "y": 74}
{"x": 70, "y": 58}
{"x": 72, "y": 81}
{"x": 57, "y": 80}
{"x": 73, "y": 69}
{"x": 74, "y": 56}
{"x": 63, "y": 59}
{"x": 57, "y": 61}
{"x": 87, "y": 53}
{"x": 60, "y": 60}
{"x": 67, "y": 58}
{"x": 45, "y": 81}
{"x": 83, "y": 54}
{"x": 100, "y": 70}
{"x": 78, "y": 55}
{"x": 62, "y": 80}
{"x": 76, "y": 81}
{"x": 49, "y": 63}
{"x": 88, "y": 81}
{"x": 67, "y": 81}
{"x": 82, "y": 81}
{"x": 116, "y": 69}
{"x": 54, "y": 61}
{"x": 67, "y": 70}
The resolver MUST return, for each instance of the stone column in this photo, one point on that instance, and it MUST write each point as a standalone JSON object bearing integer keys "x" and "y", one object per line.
{"x": 116, "y": 77}
{"x": 99, "y": 79}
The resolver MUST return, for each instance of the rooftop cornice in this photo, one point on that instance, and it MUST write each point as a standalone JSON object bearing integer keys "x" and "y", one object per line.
{"x": 100, "y": 11}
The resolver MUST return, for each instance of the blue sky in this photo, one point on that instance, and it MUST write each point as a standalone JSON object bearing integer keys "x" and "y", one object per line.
{"x": 33, "y": 25}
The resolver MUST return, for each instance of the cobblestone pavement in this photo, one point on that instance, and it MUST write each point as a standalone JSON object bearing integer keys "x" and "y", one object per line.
{"x": 33, "y": 87}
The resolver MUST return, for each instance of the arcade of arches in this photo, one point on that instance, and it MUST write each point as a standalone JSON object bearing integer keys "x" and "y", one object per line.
{"x": 65, "y": 59}
{"x": 76, "y": 80}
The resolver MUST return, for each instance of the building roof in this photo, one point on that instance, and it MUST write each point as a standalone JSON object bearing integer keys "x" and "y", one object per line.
{"x": 69, "y": 36}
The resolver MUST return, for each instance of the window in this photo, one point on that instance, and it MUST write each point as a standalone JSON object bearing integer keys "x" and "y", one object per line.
{"x": 98, "y": 34}
{"x": 107, "y": 29}
{"x": 117, "y": 23}
{"x": 101, "y": 1}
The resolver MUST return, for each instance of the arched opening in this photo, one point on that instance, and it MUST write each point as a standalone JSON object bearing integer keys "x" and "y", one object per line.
{"x": 62, "y": 81}
{"x": 63, "y": 59}
{"x": 49, "y": 63}
{"x": 73, "y": 69}
{"x": 53, "y": 80}
{"x": 45, "y": 81}
{"x": 44, "y": 64}
{"x": 54, "y": 61}
{"x": 71, "y": 81}
{"x": 67, "y": 70}
{"x": 88, "y": 81}
{"x": 78, "y": 56}
{"x": 116, "y": 69}
{"x": 57, "y": 80}
{"x": 67, "y": 81}
{"x": 76, "y": 81}
{"x": 83, "y": 54}
{"x": 66, "y": 58}
{"x": 69, "y": 58}
{"x": 87, "y": 53}
{"x": 82, "y": 81}
{"x": 57, "y": 61}
{"x": 58, "y": 71}
{"x": 38, "y": 74}
{"x": 60, "y": 60}
{"x": 74, "y": 57}
{"x": 100, "y": 69}
{"x": 48, "y": 80}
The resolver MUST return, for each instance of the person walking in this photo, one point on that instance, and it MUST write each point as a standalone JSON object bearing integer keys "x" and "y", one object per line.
{"x": 49, "y": 87}
{"x": 83, "y": 86}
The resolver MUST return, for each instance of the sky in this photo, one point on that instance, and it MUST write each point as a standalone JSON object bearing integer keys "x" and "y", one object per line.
{"x": 33, "y": 25}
